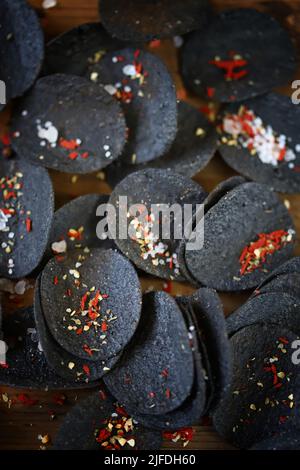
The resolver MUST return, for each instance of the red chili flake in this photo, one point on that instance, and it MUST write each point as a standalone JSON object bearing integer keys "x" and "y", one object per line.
{"x": 229, "y": 67}
{"x": 255, "y": 254}
{"x": 68, "y": 293}
{"x": 210, "y": 92}
{"x": 102, "y": 435}
{"x": 167, "y": 287}
{"x": 26, "y": 400}
{"x": 283, "y": 340}
{"x": 68, "y": 144}
{"x": 83, "y": 301}
{"x": 87, "y": 349}
{"x": 283, "y": 419}
{"x": 168, "y": 393}
{"x": 120, "y": 410}
{"x": 55, "y": 280}
{"x": 73, "y": 155}
{"x": 79, "y": 331}
{"x": 165, "y": 373}
{"x": 136, "y": 53}
{"x": 84, "y": 155}
{"x": 184, "y": 434}
{"x": 86, "y": 369}
{"x": 28, "y": 223}
{"x": 6, "y": 140}
{"x": 155, "y": 43}
{"x": 104, "y": 327}
{"x": 151, "y": 394}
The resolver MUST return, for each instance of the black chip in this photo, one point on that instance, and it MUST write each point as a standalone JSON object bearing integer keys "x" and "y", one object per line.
{"x": 286, "y": 279}
{"x": 230, "y": 59}
{"x": 156, "y": 372}
{"x": 93, "y": 424}
{"x": 79, "y": 128}
{"x": 245, "y": 219}
{"x": 144, "y": 20}
{"x": 21, "y": 47}
{"x": 26, "y": 212}
{"x": 91, "y": 302}
{"x": 75, "y": 226}
{"x": 193, "y": 408}
{"x": 26, "y": 366}
{"x": 192, "y": 149}
{"x": 276, "y": 165}
{"x": 275, "y": 307}
{"x": 76, "y": 50}
{"x": 154, "y": 188}
{"x": 77, "y": 371}
{"x": 145, "y": 89}
{"x": 264, "y": 394}
{"x": 287, "y": 439}
{"x": 211, "y": 327}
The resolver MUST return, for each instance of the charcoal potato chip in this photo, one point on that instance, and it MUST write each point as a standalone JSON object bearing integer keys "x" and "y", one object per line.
{"x": 192, "y": 149}
{"x": 156, "y": 190}
{"x": 95, "y": 424}
{"x": 287, "y": 439}
{"x": 79, "y": 128}
{"x": 21, "y": 49}
{"x": 82, "y": 372}
{"x": 91, "y": 302}
{"x": 26, "y": 363}
{"x": 26, "y": 212}
{"x": 230, "y": 59}
{"x": 156, "y": 372}
{"x": 275, "y": 307}
{"x": 76, "y": 50}
{"x": 248, "y": 233}
{"x": 263, "y": 398}
{"x": 74, "y": 226}
{"x": 142, "y": 84}
{"x": 210, "y": 325}
{"x": 193, "y": 408}
{"x": 250, "y": 152}
{"x": 144, "y": 20}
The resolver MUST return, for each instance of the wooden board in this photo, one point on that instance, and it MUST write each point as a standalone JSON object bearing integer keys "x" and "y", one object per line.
{"x": 20, "y": 425}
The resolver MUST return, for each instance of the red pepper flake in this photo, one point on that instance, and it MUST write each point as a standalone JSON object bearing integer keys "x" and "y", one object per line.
{"x": 168, "y": 393}
{"x": 282, "y": 419}
{"x": 26, "y": 400}
{"x": 151, "y": 394}
{"x": 229, "y": 67}
{"x": 87, "y": 349}
{"x": 68, "y": 144}
{"x": 155, "y": 43}
{"x": 165, "y": 373}
{"x": 6, "y": 140}
{"x": 73, "y": 155}
{"x": 104, "y": 327}
{"x": 185, "y": 435}
{"x": 86, "y": 369}
{"x": 210, "y": 92}
{"x": 55, "y": 280}
{"x": 28, "y": 223}
{"x": 255, "y": 254}
{"x": 283, "y": 340}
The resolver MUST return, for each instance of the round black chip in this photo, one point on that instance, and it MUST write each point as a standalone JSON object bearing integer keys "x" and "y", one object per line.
{"x": 264, "y": 394}
{"x": 210, "y": 326}
{"x": 21, "y": 48}
{"x": 142, "y": 84}
{"x": 192, "y": 149}
{"x": 248, "y": 233}
{"x": 26, "y": 365}
{"x": 286, "y": 439}
{"x": 154, "y": 228}
{"x": 144, "y": 20}
{"x": 230, "y": 59}
{"x": 79, "y": 128}
{"x": 275, "y": 307}
{"x": 91, "y": 302}
{"x": 99, "y": 423}
{"x": 75, "y": 226}
{"x": 77, "y": 371}
{"x": 156, "y": 372}
{"x": 258, "y": 143}
{"x": 26, "y": 212}
{"x": 78, "y": 49}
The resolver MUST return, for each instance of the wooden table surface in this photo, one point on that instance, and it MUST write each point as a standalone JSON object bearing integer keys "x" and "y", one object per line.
{"x": 20, "y": 425}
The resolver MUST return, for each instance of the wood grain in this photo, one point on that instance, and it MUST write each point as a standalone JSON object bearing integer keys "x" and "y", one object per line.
{"x": 20, "y": 425}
